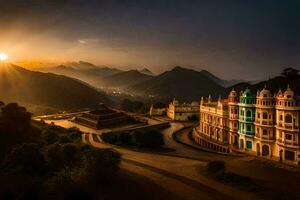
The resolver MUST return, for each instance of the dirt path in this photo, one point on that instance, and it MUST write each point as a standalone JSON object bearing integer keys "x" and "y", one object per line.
{"x": 177, "y": 175}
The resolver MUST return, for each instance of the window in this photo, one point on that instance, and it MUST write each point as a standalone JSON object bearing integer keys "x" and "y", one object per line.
{"x": 265, "y": 115}
{"x": 280, "y": 118}
{"x": 248, "y": 113}
{"x": 248, "y": 144}
{"x": 248, "y": 128}
{"x": 265, "y": 132}
{"x": 288, "y": 118}
{"x": 258, "y": 115}
{"x": 288, "y": 136}
{"x": 289, "y": 155}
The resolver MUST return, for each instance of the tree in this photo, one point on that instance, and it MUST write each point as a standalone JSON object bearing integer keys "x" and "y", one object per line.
{"x": 26, "y": 159}
{"x": 131, "y": 106}
{"x": 148, "y": 138}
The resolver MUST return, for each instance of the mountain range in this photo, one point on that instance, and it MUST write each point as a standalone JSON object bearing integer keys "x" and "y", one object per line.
{"x": 182, "y": 83}
{"x": 46, "y": 89}
{"x": 179, "y": 82}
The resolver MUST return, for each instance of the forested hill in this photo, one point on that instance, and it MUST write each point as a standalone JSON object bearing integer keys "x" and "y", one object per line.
{"x": 20, "y": 85}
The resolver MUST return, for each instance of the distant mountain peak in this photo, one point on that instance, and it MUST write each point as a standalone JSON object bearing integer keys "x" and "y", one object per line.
{"x": 147, "y": 72}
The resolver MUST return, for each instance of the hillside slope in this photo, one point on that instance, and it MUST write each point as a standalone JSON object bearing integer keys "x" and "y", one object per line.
{"x": 273, "y": 84}
{"x": 19, "y": 84}
{"x": 83, "y": 71}
{"x": 184, "y": 84}
{"x": 125, "y": 79}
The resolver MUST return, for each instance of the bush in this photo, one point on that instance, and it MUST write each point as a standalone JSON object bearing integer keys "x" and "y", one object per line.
{"x": 216, "y": 166}
{"x": 148, "y": 139}
{"x": 75, "y": 134}
{"x": 218, "y": 170}
{"x": 112, "y": 138}
{"x": 26, "y": 159}
{"x": 54, "y": 156}
{"x": 131, "y": 106}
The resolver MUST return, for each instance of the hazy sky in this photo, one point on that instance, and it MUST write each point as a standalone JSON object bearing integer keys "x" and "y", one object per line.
{"x": 250, "y": 39}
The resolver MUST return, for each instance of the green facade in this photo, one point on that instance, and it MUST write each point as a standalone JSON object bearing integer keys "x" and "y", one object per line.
{"x": 247, "y": 113}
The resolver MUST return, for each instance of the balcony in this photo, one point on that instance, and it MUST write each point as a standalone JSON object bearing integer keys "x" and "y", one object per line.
{"x": 247, "y": 119}
{"x": 264, "y": 122}
{"x": 288, "y": 142}
{"x": 289, "y": 126}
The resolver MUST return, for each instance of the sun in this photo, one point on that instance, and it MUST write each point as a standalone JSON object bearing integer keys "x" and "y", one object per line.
{"x": 3, "y": 57}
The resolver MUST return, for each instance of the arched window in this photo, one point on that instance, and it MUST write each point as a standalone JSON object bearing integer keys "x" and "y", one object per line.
{"x": 288, "y": 118}
{"x": 265, "y": 115}
{"x": 248, "y": 113}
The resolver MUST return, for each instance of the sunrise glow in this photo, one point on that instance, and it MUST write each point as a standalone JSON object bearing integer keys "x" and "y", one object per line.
{"x": 3, "y": 57}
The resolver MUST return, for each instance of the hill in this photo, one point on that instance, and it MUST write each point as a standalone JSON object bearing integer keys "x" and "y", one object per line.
{"x": 125, "y": 79}
{"x": 20, "y": 85}
{"x": 147, "y": 72}
{"x": 273, "y": 84}
{"x": 84, "y": 71}
{"x": 184, "y": 84}
{"x": 224, "y": 83}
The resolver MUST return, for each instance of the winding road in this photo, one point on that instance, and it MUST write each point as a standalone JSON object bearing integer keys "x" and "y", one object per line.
{"x": 177, "y": 171}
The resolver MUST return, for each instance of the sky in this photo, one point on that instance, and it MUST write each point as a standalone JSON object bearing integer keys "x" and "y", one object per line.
{"x": 245, "y": 39}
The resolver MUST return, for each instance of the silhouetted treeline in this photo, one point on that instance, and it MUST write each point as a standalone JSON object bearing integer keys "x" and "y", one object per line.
{"x": 40, "y": 161}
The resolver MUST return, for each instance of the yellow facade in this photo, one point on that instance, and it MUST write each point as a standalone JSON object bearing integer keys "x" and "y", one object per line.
{"x": 183, "y": 111}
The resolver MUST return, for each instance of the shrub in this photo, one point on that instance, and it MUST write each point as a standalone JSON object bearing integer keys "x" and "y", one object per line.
{"x": 54, "y": 157}
{"x": 27, "y": 159}
{"x": 75, "y": 134}
{"x": 101, "y": 164}
{"x": 149, "y": 138}
{"x": 50, "y": 136}
{"x": 112, "y": 138}
{"x": 71, "y": 154}
{"x": 216, "y": 166}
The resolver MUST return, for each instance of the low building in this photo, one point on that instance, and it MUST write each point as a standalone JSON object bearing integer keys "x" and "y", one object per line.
{"x": 213, "y": 129}
{"x": 103, "y": 117}
{"x": 157, "y": 111}
{"x": 183, "y": 111}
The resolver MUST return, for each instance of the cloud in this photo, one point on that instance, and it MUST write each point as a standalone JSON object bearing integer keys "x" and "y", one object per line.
{"x": 88, "y": 41}
{"x": 82, "y": 41}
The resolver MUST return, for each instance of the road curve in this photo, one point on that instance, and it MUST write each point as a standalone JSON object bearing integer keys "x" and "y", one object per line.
{"x": 173, "y": 172}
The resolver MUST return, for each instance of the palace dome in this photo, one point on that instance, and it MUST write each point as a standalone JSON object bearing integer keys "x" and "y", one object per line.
{"x": 288, "y": 93}
{"x": 265, "y": 93}
{"x": 233, "y": 93}
{"x": 247, "y": 93}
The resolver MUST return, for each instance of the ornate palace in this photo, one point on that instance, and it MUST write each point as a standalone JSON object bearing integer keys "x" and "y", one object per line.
{"x": 213, "y": 130}
{"x": 264, "y": 124}
{"x": 183, "y": 111}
